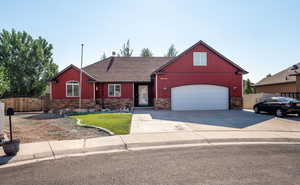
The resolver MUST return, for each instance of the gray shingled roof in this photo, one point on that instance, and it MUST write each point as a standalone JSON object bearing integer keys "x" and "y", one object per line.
{"x": 126, "y": 69}
{"x": 285, "y": 76}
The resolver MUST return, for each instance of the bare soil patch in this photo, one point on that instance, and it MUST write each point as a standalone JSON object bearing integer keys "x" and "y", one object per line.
{"x": 38, "y": 126}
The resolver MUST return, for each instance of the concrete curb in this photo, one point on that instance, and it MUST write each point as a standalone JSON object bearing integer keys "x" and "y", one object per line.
{"x": 212, "y": 141}
{"x": 88, "y": 147}
{"x": 78, "y": 122}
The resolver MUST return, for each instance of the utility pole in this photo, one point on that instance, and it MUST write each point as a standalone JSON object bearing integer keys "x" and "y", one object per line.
{"x": 80, "y": 83}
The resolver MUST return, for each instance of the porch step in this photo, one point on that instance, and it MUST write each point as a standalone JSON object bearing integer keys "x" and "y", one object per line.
{"x": 143, "y": 108}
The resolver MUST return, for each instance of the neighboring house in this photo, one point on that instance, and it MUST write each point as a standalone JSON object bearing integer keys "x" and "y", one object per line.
{"x": 282, "y": 82}
{"x": 200, "y": 78}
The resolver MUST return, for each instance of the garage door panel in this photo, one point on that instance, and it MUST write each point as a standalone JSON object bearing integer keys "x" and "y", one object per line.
{"x": 199, "y": 97}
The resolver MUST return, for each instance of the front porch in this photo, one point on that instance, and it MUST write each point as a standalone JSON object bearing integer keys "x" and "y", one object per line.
{"x": 143, "y": 94}
{"x": 129, "y": 95}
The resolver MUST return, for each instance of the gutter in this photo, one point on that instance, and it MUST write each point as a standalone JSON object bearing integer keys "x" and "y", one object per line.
{"x": 273, "y": 84}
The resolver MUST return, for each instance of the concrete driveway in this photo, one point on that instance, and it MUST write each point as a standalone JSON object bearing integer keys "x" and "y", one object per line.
{"x": 149, "y": 121}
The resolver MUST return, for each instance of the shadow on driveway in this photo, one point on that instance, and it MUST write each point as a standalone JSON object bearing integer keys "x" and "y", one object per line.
{"x": 224, "y": 118}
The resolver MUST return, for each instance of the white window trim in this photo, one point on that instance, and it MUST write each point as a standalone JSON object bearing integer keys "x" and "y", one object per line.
{"x": 114, "y": 85}
{"x": 67, "y": 89}
{"x": 200, "y": 64}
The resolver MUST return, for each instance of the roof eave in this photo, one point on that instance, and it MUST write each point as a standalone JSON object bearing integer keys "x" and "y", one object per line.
{"x": 296, "y": 74}
{"x": 122, "y": 81}
{"x": 70, "y": 66}
{"x": 277, "y": 83}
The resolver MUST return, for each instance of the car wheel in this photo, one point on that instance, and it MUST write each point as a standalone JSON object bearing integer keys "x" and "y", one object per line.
{"x": 256, "y": 110}
{"x": 279, "y": 113}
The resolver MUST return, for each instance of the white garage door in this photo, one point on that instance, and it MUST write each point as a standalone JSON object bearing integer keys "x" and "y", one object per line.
{"x": 199, "y": 97}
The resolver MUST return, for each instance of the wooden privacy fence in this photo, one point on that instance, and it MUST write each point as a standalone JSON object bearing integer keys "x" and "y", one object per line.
{"x": 249, "y": 100}
{"x": 23, "y": 104}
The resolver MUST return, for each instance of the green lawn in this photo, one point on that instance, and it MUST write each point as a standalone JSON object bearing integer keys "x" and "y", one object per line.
{"x": 118, "y": 123}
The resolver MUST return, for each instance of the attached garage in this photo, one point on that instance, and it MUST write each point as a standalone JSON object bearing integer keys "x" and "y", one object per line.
{"x": 199, "y": 97}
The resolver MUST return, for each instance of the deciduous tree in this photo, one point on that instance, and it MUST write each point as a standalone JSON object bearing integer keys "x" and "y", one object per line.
{"x": 3, "y": 82}
{"x": 27, "y": 63}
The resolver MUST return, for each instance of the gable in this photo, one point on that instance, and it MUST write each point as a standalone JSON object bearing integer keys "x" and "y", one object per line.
{"x": 58, "y": 85}
{"x": 71, "y": 71}
{"x": 216, "y": 62}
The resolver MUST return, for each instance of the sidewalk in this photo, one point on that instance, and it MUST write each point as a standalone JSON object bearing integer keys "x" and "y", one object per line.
{"x": 53, "y": 149}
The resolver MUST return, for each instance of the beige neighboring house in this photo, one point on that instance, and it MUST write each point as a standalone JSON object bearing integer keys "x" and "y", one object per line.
{"x": 286, "y": 81}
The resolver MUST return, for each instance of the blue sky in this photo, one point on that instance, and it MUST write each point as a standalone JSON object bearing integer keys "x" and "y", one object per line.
{"x": 260, "y": 36}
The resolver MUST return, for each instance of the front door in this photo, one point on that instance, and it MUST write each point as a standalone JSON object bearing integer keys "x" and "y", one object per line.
{"x": 143, "y": 95}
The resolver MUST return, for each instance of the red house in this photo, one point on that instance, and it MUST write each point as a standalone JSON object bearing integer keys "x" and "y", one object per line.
{"x": 200, "y": 78}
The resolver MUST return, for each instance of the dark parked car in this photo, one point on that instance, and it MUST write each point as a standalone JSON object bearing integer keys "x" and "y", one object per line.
{"x": 279, "y": 106}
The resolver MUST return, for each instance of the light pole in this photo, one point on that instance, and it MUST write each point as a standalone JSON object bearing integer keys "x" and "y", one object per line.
{"x": 80, "y": 82}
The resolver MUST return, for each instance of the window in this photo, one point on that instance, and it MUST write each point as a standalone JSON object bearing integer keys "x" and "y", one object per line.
{"x": 200, "y": 58}
{"x": 72, "y": 89}
{"x": 114, "y": 90}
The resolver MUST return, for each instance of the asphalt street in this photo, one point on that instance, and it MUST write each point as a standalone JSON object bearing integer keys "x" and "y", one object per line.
{"x": 245, "y": 164}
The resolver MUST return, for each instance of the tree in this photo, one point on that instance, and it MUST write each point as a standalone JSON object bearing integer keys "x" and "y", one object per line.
{"x": 27, "y": 63}
{"x": 126, "y": 51}
{"x": 3, "y": 82}
{"x": 172, "y": 52}
{"x": 103, "y": 56}
{"x": 247, "y": 87}
{"x": 146, "y": 52}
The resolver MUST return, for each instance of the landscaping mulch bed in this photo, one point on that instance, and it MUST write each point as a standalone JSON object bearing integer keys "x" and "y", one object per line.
{"x": 37, "y": 126}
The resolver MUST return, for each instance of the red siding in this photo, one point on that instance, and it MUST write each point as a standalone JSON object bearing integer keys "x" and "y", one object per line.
{"x": 182, "y": 72}
{"x": 126, "y": 90}
{"x": 59, "y": 88}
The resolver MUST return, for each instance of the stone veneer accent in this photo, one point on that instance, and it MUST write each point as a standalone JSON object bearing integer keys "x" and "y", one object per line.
{"x": 236, "y": 102}
{"x": 117, "y": 103}
{"x": 56, "y": 104}
{"x": 162, "y": 103}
